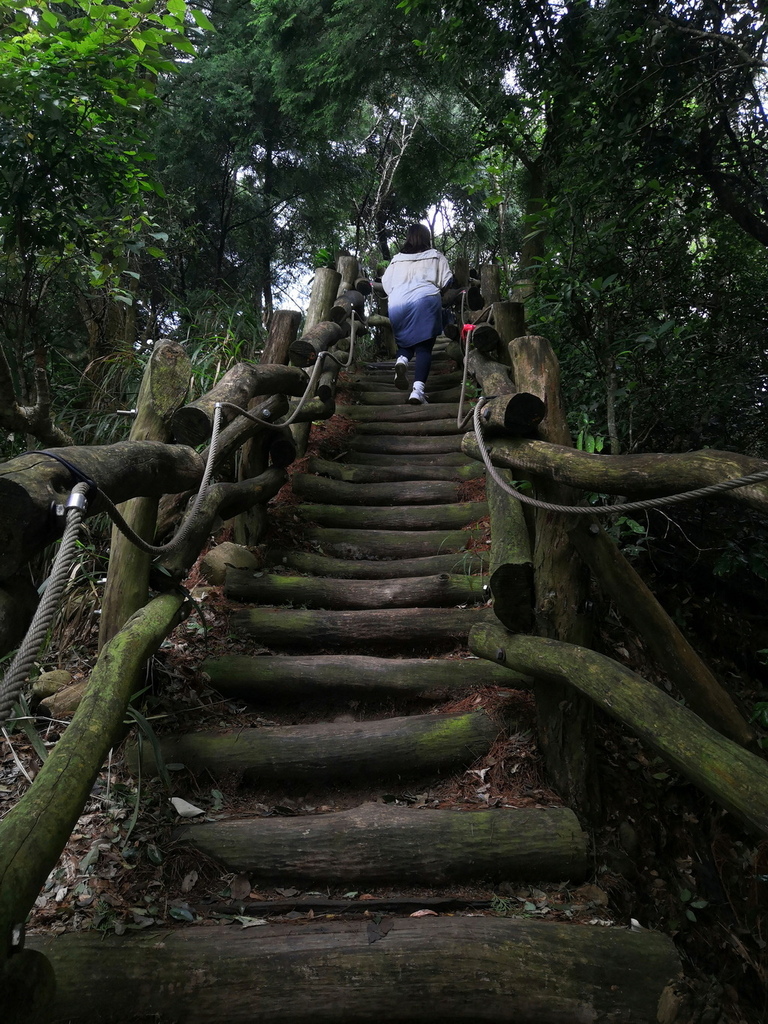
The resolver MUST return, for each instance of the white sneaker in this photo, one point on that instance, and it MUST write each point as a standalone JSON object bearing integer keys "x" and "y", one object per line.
{"x": 417, "y": 397}
{"x": 401, "y": 380}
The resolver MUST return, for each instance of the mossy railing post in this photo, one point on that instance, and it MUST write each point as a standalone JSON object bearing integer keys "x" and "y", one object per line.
{"x": 565, "y": 717}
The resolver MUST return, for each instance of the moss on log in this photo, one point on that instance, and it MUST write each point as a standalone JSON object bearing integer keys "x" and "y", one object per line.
{"x": 377, "y": 843}
{"x": 252, "y": 678}
{"x": 283, "y": 628}
{"x": 35, "y": 831}
{"x": 360, "y": 569}
{"x": 328, "y": 751}
{"x": 390, "y": 543}
{"x": 398, "y": 517}
{"x": 322, "y": 489}
{"x": 639, "y": 476}
{"x": 440, "y": 591}
{"x": 459, "y": 969}
{"x": 730, "y": 775}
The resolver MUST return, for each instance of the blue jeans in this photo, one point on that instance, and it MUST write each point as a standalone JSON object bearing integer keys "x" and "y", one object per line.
{"x": 422, "y": 353}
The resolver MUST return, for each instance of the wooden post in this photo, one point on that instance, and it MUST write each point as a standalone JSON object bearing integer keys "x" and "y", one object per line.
{"x": 490, "y": 283}
{"x": 565, "y": 718}
{"x": 163, "y": 390}
{"x": 283, "y": 328}
{"x": 324, "y": 289}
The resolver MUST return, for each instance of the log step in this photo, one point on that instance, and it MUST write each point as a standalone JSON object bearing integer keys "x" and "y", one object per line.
{"x": 415, "y": 492}
{"x": 363, "y": 569}
{"x": 416, "y": 428}
{"x": 329, "y": 751}
{"x": 414, "y": 459}
{"x": 399, "y": 517}
{"x": 252, "y": 678}
{"x": 405, "y": 445}
{"x": 391, "y": 543}
{"x": 466, "y": 970}
{"x": 442, "y": 591}
{"x": 283, "y": 627}
{"x": 353, "y": 474}
{"x": 377, "y": 843}
{"x": 401, "y": 397}
{"x": 400, "y": 414}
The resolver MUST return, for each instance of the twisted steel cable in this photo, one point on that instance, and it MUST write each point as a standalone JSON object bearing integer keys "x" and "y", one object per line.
{"x": 19, "y": 669}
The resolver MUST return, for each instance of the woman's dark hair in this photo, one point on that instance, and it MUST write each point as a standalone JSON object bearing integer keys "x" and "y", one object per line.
{"x": 417, "y": 239}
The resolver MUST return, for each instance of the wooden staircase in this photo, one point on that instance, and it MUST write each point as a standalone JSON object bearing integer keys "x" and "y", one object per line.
{"x": 376, "y": 611}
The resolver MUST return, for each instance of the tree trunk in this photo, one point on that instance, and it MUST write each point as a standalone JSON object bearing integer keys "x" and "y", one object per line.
{"x": 281, "y": 627}
{"x": 18, "y": 604}
{"x": 36, "y": 829}
{"x": 441, "y": 591}
{"x": 163, "y": 388}
{"x": 283, "y": 328}
{"x": 32, "y": 484}
{"x": 467, "y": 970}
{"x": 671, "y": 650}
{"x": 325, "y": 752}
{"x": 730, "y": 775}
{"x": 360, "y": 569}
{"x": 252, "y": 679}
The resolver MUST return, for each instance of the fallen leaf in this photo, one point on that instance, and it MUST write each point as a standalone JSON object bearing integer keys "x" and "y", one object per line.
{"x": 424, "y": 913}
{"x": 189, "y": 881}
{"x": 185, "y": 809}
{"x": 251, "y": 922}
{"x": 240, "y": 887}
{"x": 378, "y": 929}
